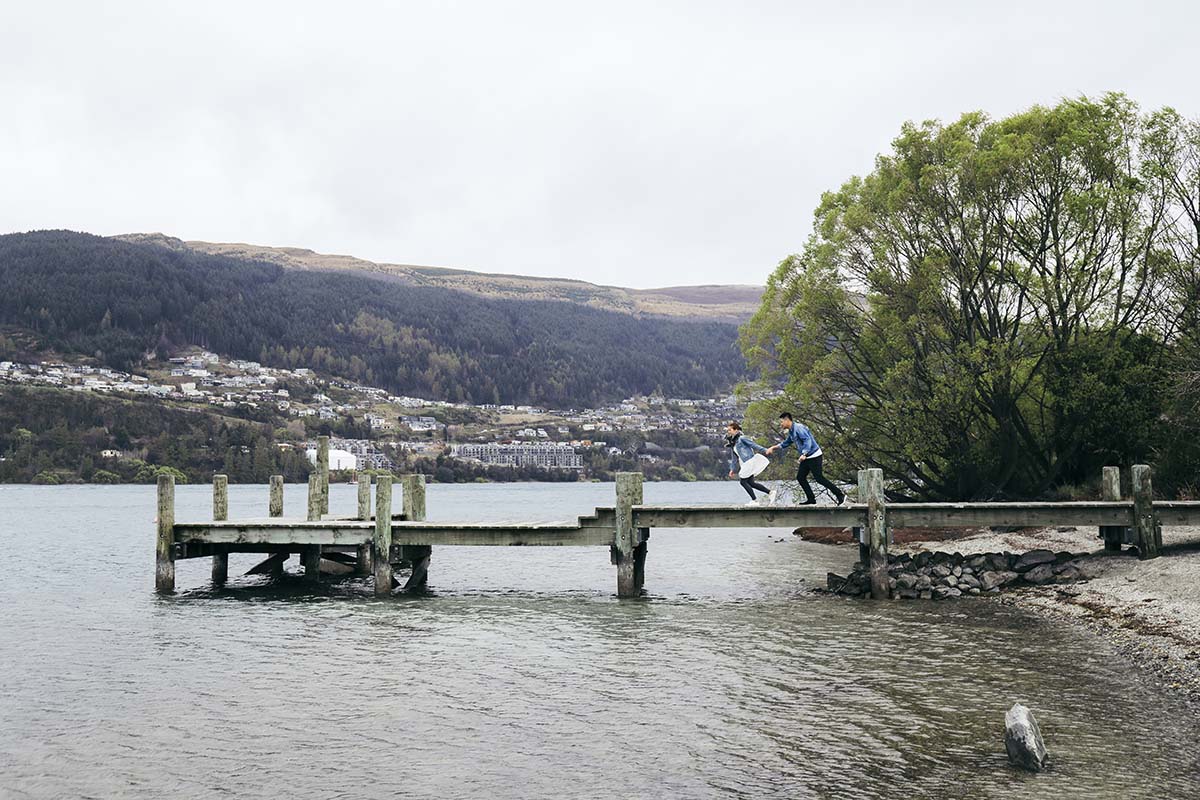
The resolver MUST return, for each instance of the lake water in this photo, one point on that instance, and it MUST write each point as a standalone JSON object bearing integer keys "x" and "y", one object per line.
{"x": 521, "y": 676}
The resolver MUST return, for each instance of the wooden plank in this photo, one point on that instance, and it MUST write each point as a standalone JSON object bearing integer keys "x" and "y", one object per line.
{"x": 1033, "y": 515}
{"x": 164, "y": 558}
{"x": 1177, "y": 513}
{"x": 381, "y": 542}
{"x": 870, "y": 487}
{"x": 713, "y": 516}
{"x": 314, "y": 496}
{"x": 272, "y": 565}
{"x": 500, "y": 536}
{"x": 626, "y": 536}
{"x": 275, "y": 501}
{"x": 220, "y": 561}
{"x": 1149, "y": 537}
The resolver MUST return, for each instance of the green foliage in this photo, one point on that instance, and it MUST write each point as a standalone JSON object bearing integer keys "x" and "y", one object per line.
{"x": 996, "y": 309}
{"x": 46, "y": 477}
{"x": 104, "y": 476}
{"x": 117, "y": 300}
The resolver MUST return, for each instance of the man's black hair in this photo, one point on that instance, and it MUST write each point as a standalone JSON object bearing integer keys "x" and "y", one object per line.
{"x": 785, "y": 415}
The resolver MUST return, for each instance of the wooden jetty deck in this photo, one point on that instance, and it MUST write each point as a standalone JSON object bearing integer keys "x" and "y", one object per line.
{"x": 378, "y": 541}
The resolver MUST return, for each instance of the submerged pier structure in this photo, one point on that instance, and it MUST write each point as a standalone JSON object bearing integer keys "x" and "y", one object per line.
{"x": 381, "y": 540}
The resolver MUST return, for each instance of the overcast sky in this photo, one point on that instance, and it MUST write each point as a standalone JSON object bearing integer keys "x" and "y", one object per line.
{"x": 632, "y": 143}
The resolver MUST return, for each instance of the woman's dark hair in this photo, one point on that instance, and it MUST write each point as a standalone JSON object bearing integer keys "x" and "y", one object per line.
{"x": 785, "y": 415}
{"x": 737, "y": 426}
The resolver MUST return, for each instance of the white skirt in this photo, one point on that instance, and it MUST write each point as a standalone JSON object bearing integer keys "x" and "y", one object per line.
{"x": 754, "y": 466}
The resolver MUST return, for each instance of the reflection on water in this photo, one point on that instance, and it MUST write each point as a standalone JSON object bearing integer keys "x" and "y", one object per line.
{"x": 521, "y": 676}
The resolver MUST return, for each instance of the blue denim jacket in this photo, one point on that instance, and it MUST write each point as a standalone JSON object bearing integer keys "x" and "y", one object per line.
{"x": 743, "y": 449}
{"x": 800, "y": 437}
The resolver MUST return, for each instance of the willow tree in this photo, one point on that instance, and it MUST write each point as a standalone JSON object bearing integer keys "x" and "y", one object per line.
{"x": 990, "y": 311}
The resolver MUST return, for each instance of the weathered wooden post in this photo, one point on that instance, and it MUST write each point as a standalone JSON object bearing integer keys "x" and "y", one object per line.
{"x": 414, "y": 511}
{"x": 870, "y": 489}
{"x": 164, "y": 561}
{"x": 1145, "y": 521}
{"x": 275, "y": 503}
{"x": 323, "y": 469}
{"x": 627, "y": 538}
{"x": 1110, "y": 491}
{"x": 381, "y": 543}
{"x": 220, "y": 561}
{"x": 311, "y": 553}
{"x": 363, "y": 564}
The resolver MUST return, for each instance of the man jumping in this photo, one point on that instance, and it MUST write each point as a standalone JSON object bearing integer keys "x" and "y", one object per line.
{"x": 806, "y": 445}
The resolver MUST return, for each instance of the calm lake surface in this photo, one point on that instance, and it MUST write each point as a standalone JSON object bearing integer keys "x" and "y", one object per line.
{"x": 521, "y": 676}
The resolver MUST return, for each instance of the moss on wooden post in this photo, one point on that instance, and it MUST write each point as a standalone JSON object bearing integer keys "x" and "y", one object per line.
{"x": 220, "y": 561}
{"x": 164, "y": 561}
{"x": 381, "y": 543}
{"x": 1145, "y": 522}
{"x": 627, "y": 538}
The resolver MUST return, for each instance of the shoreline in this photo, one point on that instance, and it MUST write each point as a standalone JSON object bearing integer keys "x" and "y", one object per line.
{"x": 1148, "y": 611}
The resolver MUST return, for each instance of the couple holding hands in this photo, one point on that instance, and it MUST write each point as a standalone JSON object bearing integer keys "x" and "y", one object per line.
{"x": 750, "y": 458}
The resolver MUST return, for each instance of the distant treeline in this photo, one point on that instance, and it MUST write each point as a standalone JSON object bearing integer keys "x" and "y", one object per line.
{"x": 115, "y": 301}
{"x": 53, "y": 436}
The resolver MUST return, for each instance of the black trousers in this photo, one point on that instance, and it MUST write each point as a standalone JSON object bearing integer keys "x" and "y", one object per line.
{"x": 813, "y": 465}
{"x": 749, "y": 484}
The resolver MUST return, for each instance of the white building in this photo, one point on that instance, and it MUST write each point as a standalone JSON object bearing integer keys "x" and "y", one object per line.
{"x": 338, "y": 459}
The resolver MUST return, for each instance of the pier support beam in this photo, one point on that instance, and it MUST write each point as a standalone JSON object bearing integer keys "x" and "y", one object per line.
{"x": 1110, "y": 490}
{"x": 870, "y": 491}
{"x": 164, "y": 556}
{"x": 363, "y": 565}
{"x": 323, "y": 470}
{"x": 414, "y": 511}
{"x": 382, "y": 542}
{"x": 220, "y": 562}
{"x": 628, "y": 540}
{"x": 1145, "y": 521}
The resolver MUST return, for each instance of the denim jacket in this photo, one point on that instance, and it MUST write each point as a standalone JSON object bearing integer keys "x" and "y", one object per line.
{"x": 743, "y": 449}
{"x": 800, "y": 437}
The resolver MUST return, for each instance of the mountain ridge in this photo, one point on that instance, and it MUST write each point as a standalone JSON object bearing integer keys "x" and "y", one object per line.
{"x": 733, "y": 303}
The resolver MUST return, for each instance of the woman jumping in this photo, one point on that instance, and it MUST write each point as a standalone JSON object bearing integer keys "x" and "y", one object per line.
{"x": 744, "y": 449}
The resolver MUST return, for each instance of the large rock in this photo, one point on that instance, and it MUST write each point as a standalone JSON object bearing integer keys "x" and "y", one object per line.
{"x": 1040, "y": 575}
{"x": 991, "y": 580}
{"x": 1033, "y": 558}
{"x": 1023, "y": 739}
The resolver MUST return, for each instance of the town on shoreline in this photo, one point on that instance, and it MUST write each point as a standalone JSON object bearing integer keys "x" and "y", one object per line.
{"x": 374, "y": 430}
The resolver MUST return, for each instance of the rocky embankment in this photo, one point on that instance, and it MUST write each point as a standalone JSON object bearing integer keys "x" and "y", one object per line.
{"x": 936, "y": 575}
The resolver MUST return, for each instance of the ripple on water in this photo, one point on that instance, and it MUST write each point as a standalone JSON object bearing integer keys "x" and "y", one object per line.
{"x": 521, "y": 676}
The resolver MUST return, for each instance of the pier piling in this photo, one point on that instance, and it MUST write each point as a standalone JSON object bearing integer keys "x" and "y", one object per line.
{"x": 363, "y": 564}
{"x": 1149, "y": 535}
{"x": 323, "y": 470}
{"x": 418, "y": 556}
{"x": 311, "y": 554}
{"x": 275, "y": 501}
{"x": 628, "y": 539}
{"x": 164, "y": 571}
{"x": 1110, "y": 490}
{"x": 381, "y": 543}
{"x": 870, "y": 490}
{"x": 220, "y": 561}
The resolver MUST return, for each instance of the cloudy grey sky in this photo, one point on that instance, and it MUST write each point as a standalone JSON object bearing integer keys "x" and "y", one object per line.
{"x": 634, "y": 143}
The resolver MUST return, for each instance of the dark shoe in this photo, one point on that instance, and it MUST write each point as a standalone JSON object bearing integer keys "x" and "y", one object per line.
{"x": 808, "y": 503}
{"x": 841, "y": 499}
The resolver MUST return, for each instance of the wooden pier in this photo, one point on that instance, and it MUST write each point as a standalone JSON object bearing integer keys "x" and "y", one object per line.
{"x": 379, "y": 543}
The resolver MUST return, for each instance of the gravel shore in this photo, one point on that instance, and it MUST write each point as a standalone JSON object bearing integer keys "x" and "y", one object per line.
{"x": 1150, "y": 610}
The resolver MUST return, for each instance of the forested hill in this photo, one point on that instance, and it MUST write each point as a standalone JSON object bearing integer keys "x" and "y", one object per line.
{"x": 116, "y": 300}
